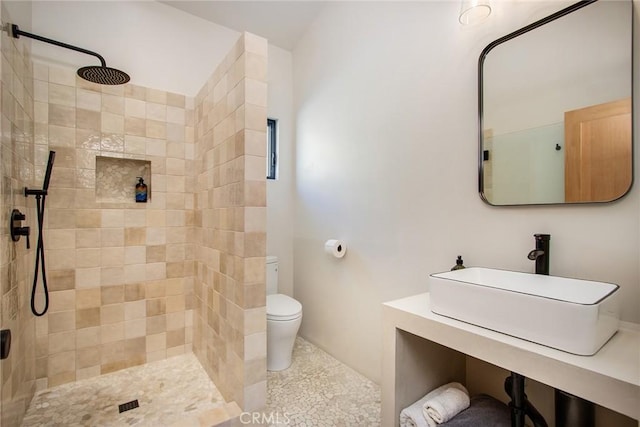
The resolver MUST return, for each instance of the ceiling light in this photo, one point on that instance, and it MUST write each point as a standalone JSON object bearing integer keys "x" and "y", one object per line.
{"x": 474, "y": 11}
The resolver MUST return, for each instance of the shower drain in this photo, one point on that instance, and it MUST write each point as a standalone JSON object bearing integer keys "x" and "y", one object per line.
{"x": 128, "y": 406}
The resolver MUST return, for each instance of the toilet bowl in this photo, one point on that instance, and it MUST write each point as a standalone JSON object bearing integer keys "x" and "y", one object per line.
{"x": 284, "y": 316}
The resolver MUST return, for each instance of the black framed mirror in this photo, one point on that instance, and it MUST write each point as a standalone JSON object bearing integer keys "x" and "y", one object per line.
{"x": 555, "y": 108}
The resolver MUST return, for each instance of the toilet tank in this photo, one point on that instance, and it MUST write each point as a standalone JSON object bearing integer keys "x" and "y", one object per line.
{"x": 272, "y": 275}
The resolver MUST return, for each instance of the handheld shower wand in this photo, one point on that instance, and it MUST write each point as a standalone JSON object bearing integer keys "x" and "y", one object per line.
{"x": 40, "y": 199}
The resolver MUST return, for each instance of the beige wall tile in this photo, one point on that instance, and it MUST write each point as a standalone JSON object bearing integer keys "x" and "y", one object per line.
{"x": 111, "y": 333}
{"x": 157, "y": 96}
{"x": 156, "y": 342}
{"x": 88, "y": 298}
{"x": 112, "y": 123}
{"x": 86, "y": 373}
{"x": 135, "y": 254}
{"x": 156, "y": 112}
{"x": 156, "y": 306}
{"x": 135, "y": 236}
{"x": 135, "y": 328}
{"x": 87, "y": 317}
{"x": 62, "y": 95}
{"x": 112, "y": 352}
{"x": 60, "y": 280}
{"x": 112, "y": 257}
{"x": 88, "y": 100}
{"x": 112, "y": 294}
{"x": 135, "y": 108}
{"x": 89, "y": 120}
{"x": 59, "y": 259}
{"x": 157, "y": 253}
{"x": 88, "y": 337}
{"x": 61, "y": 218}
{"x": 154, "y": 129}
{"x": 86, "y": 258}
{"x": 156, "y": 236}
{"x": 135, "y": 144}
{"x": 60, "y": 115}
{"x": 134, "y": 292}
{"x": 112, "y": 218}
{"x": 176, "y": 100}
{"x": 135, "y": 310}
{"x": 87, "y": 357}
{"x": 87, "y": 278}
{"x": 63, "y": 341}
{"x": 135, "y": 273}
{"x": 175, "y": 338}
{"x": 62, "y": 300}
{"x": 63, "y": 76}
{"x": 156, "y": 271}
{"x": 88, "y": 218}
{"x": 135, "y": 126}
{"x": 156, "y": 324}
{"x": 61, "y": 362}
{"x": 175, "y": 321}
{"x": 155, "y": 289}
{"x": 88, "y": 238}
{"x": 62, "y": 321}
{"x": 111, "y": 276}
{"x": 135, "y": 92}
{"x": 175, "y": 303}
{"x": 111, "y": 237}
{"x": 112, "y": 313}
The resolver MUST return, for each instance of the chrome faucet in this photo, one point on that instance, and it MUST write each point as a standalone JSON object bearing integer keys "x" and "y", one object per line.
{"x": 541, "y": 253}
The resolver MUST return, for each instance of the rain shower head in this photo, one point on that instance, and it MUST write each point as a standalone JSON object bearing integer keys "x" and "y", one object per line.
{"x": 103, "y": 75}
{"x": 100, "y": 74}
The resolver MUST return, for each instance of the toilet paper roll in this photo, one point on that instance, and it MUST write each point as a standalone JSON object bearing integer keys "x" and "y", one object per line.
{"x": 335, "y": 247}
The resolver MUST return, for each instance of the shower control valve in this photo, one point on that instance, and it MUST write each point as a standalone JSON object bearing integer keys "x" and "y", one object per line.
{"x": 16, "y": 228}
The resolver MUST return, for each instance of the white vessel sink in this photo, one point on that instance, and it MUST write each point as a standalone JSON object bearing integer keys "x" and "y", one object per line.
{"x": 576, "y": 316}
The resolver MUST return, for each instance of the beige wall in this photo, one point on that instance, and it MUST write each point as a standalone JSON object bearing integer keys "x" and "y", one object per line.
{"x": 120, "y": 273}
{"x": 17, "y": 372}
{"x": 386, "y": 158}
{"x": 230, "y": 317}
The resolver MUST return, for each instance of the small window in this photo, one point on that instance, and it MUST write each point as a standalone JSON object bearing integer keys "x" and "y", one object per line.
{"x": 272, "y": 148}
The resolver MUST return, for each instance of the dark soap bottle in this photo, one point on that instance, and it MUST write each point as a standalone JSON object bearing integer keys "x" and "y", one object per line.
{"x": 458, "y": 265}
{"x": 141, "y": 191}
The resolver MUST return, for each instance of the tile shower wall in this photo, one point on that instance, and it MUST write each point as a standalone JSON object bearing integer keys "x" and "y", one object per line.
{"x": 230, "y": 315}
{"x": 120, "y": 272}
{"x": 17, "y": 372}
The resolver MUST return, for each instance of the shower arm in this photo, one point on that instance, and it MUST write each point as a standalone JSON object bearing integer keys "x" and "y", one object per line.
{"x": 17, "y": 32}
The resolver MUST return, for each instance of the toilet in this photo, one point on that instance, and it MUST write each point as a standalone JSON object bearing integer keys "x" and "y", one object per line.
{"x": 284, "y": 316}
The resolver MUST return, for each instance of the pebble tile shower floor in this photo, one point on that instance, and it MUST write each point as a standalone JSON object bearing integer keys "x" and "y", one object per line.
{"x": 316, "y": 391}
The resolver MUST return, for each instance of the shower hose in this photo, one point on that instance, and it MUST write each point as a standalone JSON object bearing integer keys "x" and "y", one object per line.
{"x": 40, "y": 260}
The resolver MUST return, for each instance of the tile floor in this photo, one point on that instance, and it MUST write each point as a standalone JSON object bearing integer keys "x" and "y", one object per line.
{"x": 171, "y": 392}
{"x": 316, "y": 391}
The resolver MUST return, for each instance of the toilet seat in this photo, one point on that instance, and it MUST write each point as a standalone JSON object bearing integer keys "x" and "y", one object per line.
{"x": 282, "y": 307}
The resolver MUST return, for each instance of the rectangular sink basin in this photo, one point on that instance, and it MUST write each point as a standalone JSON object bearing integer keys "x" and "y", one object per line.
{"x": 572, "y": 315}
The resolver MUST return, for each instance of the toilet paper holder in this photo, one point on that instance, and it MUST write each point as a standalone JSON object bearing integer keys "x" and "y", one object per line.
{"x": 335, "y": 248}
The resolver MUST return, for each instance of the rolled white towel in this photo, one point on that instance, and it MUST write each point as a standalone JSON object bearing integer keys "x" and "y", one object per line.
{"x": 413, "y": 415}
{"x": 446, "y": 405}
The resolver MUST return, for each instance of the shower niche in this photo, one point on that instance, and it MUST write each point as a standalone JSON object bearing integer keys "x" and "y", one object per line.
{"x": 116, "y": 179}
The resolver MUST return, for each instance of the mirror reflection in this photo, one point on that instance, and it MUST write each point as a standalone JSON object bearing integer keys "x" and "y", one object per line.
{"x": 555, "y": 109}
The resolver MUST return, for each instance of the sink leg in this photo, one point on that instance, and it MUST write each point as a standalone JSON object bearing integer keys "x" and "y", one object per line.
{"x": 517, "y": 405}
{"x": 520, "y": 405}
{"x": 572, "y": 411}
